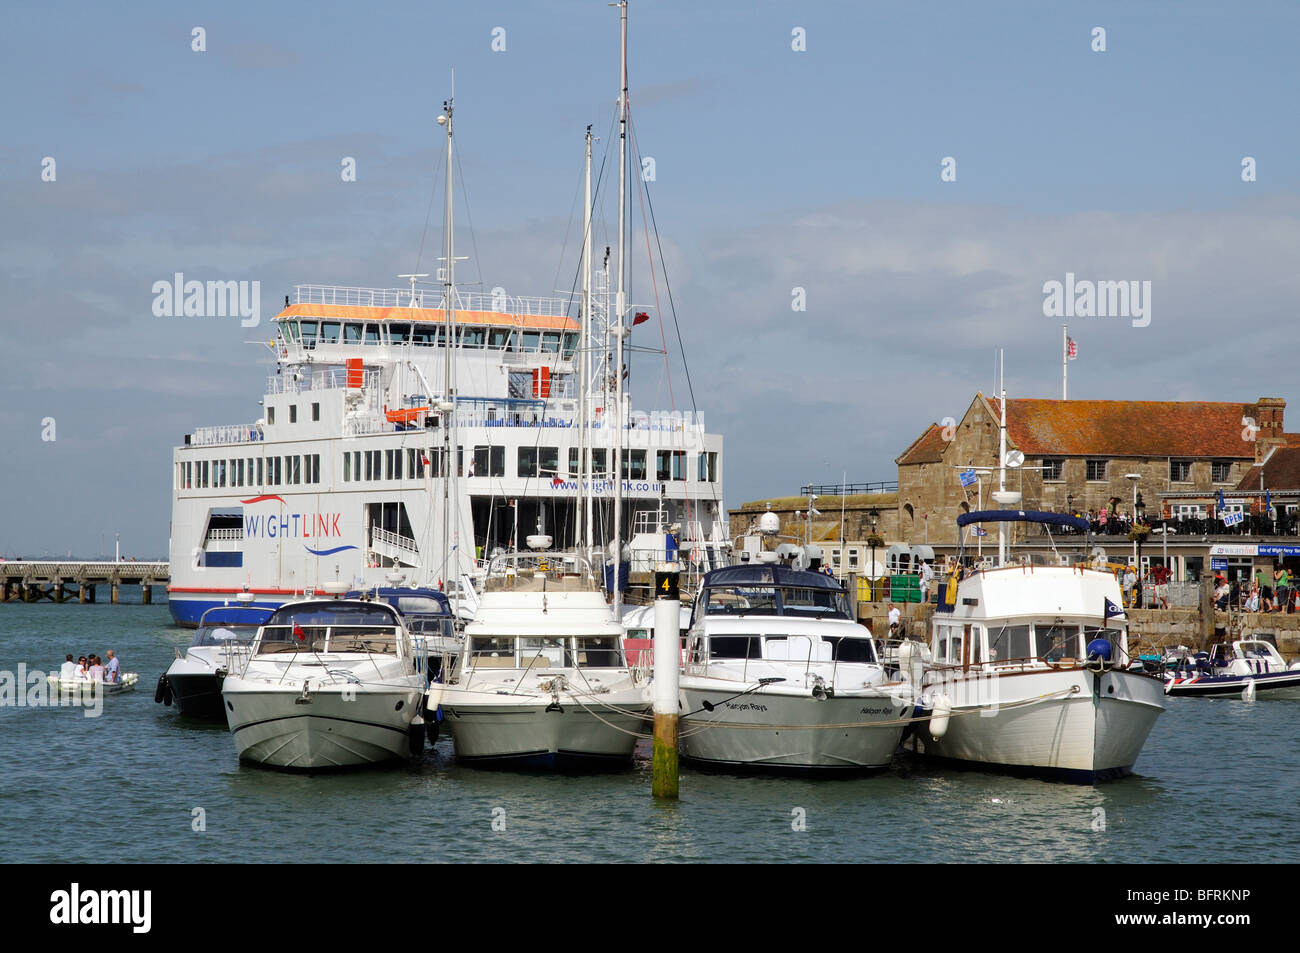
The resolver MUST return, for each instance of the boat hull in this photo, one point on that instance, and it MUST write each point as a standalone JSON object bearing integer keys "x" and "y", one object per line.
{"x": 1091, "y": 726}
{"x": 528, "y": 734}
{"x": 772, "y": 730}
{"x": 1286, "y": 683}
{"x": 337, "y": 728}
{"x": 197, "y": 695}
{"x": 87, "y": 688}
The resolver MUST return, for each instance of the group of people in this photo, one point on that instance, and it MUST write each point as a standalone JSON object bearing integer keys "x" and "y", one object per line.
{"x": 1266, "y": 593}
{"x": 91, "y": 668}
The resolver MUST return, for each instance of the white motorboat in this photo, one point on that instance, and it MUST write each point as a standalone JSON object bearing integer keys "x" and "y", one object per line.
{"x": 780, "y": 675}
{"x": 1030, "y": 670}
{"x": 1239, "y": 669}
{"x": 220, "y": 646}
{"x": 88, "y": 687}
{"x": 543, "y": 680}
{"x": 329, "y": 683}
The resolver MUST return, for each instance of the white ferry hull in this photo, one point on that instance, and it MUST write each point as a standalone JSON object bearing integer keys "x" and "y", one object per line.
{"x": 526, "y": 733}
{"x": 1092, "y": 729}
{"x": 333, "y": 730}
{"x": 770, "y": 730}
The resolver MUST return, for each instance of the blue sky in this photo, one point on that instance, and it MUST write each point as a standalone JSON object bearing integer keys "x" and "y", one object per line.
{"x": 775, "y": 169}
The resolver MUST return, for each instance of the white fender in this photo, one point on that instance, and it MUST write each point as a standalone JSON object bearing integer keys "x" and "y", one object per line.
{"x": 1248, "y": 693}
{"x": 939, "y": 716}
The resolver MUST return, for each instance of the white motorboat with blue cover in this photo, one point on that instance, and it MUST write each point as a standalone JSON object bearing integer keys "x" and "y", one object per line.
{"x": 329, "y": 683}
{"x": 1029, "y": 669}
{"x": 779, "y": 674}
{"x": 1234, "y": 668}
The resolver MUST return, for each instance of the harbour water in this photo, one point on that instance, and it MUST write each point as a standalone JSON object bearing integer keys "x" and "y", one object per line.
{"x": 1217, "y": 782}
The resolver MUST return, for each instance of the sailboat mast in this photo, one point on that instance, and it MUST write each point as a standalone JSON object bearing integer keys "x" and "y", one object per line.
{"x": 1002, "y": 460}
{"x": 620, "y": 306}
{"x": 449, "y": 539}
{"x": 584, "y": 471}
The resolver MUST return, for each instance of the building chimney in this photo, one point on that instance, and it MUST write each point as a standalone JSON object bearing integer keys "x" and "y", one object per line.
{"x": 1268, "y": 416}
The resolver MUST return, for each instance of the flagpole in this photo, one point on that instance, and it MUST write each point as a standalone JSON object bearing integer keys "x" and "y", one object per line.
{"x": 1065, "y": 357}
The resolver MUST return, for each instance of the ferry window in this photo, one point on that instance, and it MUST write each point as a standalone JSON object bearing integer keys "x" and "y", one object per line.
{"x": 308, "y": 334}
{"x": 634, "y": 465}
{"x": 527, "y": 462}
{"x": 372, "y": 333}
{"x": 422, "y": 335}
{"x": 218, "y": 472}
{"x": 270, "y": 415}
{"x": 315, "y": 468}
{"x": 293, "y": 413}
{"x": 293, "y": 464}
{"x": 1055, "y": 642}
{"x": 735, "y": 646}
{"x": 290, "y": 330}
{"x": 259, "y": 471}
{"x": 707, "y": 467}
{"x": 356, "y": 464}
{"x": 352, "y": 333}
{"x": 573, "y": 461}
{"x": 551, "y": 341}
{"x": 530, "y": 340}
{"x": 329, "y": 332}
{"x": 473, "y": 336}
{"x": 277, "y": 476}
{"x": 239, "y": 472}
{"x": 1009, "y": 642}
{"x": 601, "y": 652}
{"x": 499, "y": 337}
{"x": 548, "y": 461}
{"x": 189, "y": 475}
{"x": 315, "y": 411}
{"x": 570, "y": 344}
{"x": 490, "y": 461}
{"x": 399, "y": 332}
{"x": 347, "y": 468}
{"x": 844, "y": 649}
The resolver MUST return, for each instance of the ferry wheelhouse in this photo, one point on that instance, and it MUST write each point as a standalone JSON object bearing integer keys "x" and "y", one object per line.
{"x": 398, "y": 447}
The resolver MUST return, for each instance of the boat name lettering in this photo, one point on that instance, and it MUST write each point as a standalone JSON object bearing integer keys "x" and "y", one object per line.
{"x": 745, "y": 706}
{"x": 302, "y": 525}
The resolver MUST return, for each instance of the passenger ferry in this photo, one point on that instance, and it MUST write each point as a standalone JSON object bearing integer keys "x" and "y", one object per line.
{"x": 342, "y": 477}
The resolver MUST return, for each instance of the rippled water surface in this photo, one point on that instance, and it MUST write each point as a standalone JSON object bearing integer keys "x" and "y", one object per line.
{"x": 1214, "y": 774}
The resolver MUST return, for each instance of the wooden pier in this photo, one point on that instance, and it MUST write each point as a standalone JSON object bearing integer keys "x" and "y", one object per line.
{"x": 60, "y": 581}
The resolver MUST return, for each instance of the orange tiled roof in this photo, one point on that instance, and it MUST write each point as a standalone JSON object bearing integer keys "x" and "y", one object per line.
{"x": 432, "y": 315}
{"x": 1281, "y": 471}
{"x": 1127, "y": 427}
{"x": 927, "y": 448}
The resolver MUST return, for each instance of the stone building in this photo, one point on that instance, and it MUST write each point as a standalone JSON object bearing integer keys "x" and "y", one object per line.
{"x": 1078, "y": 456}
{"x": 842, "y": 531}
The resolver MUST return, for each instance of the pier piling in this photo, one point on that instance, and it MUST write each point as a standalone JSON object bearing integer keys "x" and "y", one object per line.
{"x": 668, "y": 660}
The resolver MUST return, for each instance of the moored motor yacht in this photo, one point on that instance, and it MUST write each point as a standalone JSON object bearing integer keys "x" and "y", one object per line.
{"x": 543, "y": 680}
{"x": 779, "y": 674}
{"x": 329, "y": 683}
{"x": 220, "y": 645}
{"x": 1030, "y": 669}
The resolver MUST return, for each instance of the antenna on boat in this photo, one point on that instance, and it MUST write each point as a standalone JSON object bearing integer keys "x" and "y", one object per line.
{"x": 1002, "y": 457}
{"x": 412, "y": 279}
{"x": 448, "y": 403}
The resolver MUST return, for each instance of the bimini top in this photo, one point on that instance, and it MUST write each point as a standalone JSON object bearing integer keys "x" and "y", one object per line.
{"x": 1023, "y": 516}
{"x": 768, "y": 574}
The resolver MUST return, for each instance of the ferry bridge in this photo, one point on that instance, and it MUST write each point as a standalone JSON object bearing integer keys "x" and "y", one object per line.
{"x": 59, "y": 581}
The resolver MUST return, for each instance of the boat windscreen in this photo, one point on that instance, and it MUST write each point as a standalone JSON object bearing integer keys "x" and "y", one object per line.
{"x": 224, "y": 635}
{"x": 333, "y": 613}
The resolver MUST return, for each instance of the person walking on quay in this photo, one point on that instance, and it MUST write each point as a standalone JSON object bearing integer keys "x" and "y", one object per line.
{"x": 1127, "y": 583}
{"x": 1265, "y": 583}
{"x": 1159, "y": 576}
{"x": 1252, "y": 600}
{"x": 1282, "y": 589}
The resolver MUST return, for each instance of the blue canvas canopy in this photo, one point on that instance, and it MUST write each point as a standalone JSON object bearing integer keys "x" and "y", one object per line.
{"x": 1023, "y": 516}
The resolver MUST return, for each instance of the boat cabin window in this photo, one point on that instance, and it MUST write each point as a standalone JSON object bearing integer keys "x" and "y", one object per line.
{"x": 425, "y": 335}
{"x": 551, "y": 341}
{"x": 570, "y": 344}
{"x": 399, "y": 332}
{"x": 290, "y": 330}
{"x": 224, "y": 635}
{"x": 735, "y": 646}
{"x": 756, "y": 601}
{"x": 600, "y": 652}
{"x": 493, "y": 652}
{"x": 1055, "y": 642}
{"x": 352, "y": 333}
{"x": 1256, "y": 650}
{"x": 372, "y": 333}
{"x": 308, "y": 334}
{"x": 1008, "y": 642}
{"x": 473, "y": 336}
{"x": 948, "y": 647}
{"x": 530, "y": 340}
{"x": 544, "y": 653}
{"x": 329, "y": 332}
{"x": 846, "y": 649}
{"x": 813, "y": 602}
{"x": 796, "y": 648}
{"x": 499, "y": 337}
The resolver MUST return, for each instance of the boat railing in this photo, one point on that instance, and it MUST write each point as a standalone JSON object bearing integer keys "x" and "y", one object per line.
{"x": 228, "y": 433}
{"x": 432, "y": 299}
{"x": 327, "y": 378}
